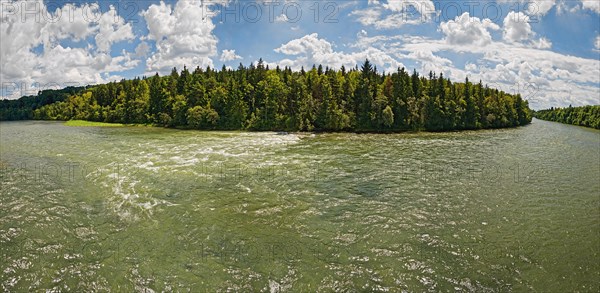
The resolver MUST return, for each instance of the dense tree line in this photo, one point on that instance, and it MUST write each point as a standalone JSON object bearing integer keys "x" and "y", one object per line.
{"x": 22, "y": 109}
{"x": 321, "y": 99}
{"x": 588, "y": 116}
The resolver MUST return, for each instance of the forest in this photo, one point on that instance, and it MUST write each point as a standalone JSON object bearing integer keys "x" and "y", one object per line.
{"x": 588, "y": 116}
{"x": 22, "y": 109}
{"x": 319, "y": 99}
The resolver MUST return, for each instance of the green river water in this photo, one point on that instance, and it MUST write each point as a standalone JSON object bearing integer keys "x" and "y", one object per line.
{"x": 140, "y": 209}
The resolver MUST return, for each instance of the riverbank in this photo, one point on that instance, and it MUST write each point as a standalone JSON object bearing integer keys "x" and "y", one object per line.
{"x": 85, "y": 123}
{"x": 585, "y": 116}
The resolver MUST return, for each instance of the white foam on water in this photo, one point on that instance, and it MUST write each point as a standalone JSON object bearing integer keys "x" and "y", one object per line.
{"x": 149, "y": 165}
{"x": 184, "y": 162}
{"x": 244, "y": 187}
{"x": 128, "y": 193}
{"x": 147, "y": 205}
{"x": 274, "y": 287}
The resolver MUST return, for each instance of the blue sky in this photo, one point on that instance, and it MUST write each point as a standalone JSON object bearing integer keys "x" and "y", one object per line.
{"x": 549, "y": 50}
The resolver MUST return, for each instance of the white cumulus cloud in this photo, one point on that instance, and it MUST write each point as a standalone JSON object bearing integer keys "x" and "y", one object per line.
{"x": 539, "y": 7}
{"x": 395, "y": 13}
{"x": 112, "y": 29}
{"x": 312, "y": 50}
{"x": 31, "y": 49}
{"x": 541, "y": 43}
{"x": 468, "y": 30}
{"x": 533, "y": 7}
{"x": 517, "y": 27}
{"x": 543, "y": 77}
{"x": 183, "y": 35}
{"x": 593, "y": 5}
{"x": 229, "y": 55}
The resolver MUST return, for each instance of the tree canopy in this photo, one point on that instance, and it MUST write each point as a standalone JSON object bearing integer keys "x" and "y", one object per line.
{"x": 320, "y": 99}
{"x": 22, "y": 109}
{"x": 588, "y": 116}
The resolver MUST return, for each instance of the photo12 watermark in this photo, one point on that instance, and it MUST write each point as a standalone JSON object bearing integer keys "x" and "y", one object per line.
{"x": 239, "y": 11}
{"x": 19, "y": 89}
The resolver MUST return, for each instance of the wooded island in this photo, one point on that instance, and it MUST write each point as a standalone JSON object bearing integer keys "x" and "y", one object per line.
{"x": 259, "y": 98}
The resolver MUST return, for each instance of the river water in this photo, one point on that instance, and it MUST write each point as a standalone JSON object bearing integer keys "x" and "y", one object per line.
{"x": 140, "y": 209}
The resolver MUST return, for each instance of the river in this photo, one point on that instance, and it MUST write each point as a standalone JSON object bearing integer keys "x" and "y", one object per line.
{"x": 141, "y": 209}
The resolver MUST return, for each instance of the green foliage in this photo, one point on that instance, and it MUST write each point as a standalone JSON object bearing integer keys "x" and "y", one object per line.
{"x": 388, "y": 116}
{"x": 588, "y": 116}
{"x": 321, "y": 99}
{"x": 200, "y": 117}
{"x": 23, "y": 108}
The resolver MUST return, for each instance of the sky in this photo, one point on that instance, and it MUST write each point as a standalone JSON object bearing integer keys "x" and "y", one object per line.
{"x": 547, "y": 50}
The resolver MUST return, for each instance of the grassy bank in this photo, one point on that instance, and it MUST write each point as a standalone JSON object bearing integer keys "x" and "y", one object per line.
{"x": 83, "y": 123}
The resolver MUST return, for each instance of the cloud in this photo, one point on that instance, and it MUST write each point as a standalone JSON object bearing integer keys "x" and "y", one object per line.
{"x": 517, "y": 27}
{"x": 425, "y": 7}
{"x": 183, "y": 35}
{"x": 281, "y": 18}
{"x": 565, "y": 6}
{"x": 541, "y": 43}
{"x": 468, "y": 30}
{"x": 427, "y": 56}
{"x": 517, "y": 30}
{"x": 374, "y": 17}
{"x": 229, "y": 55}
{"x": 142, "y": 49}
{"x": 430, "y": 62}
{"x": 111, "y": 31}
{"x": 593, "y": 5}
{"x": 539, "y": 7}
{"x": 310, "y": 44}
{"x": 395, "y": 13}
{"x": 543, "y": 77}
{"x": 517, "y": 63}
{"x": 535, "y": 7}
{"x": 312, "y": 50}
{"x": 31, "y": 50}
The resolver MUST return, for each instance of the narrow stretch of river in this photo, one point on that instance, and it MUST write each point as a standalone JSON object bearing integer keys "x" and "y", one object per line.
{"x": 140, "y": 209}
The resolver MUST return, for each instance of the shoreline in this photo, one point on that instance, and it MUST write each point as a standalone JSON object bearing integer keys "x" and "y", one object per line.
{"x": 85, "y": 123}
